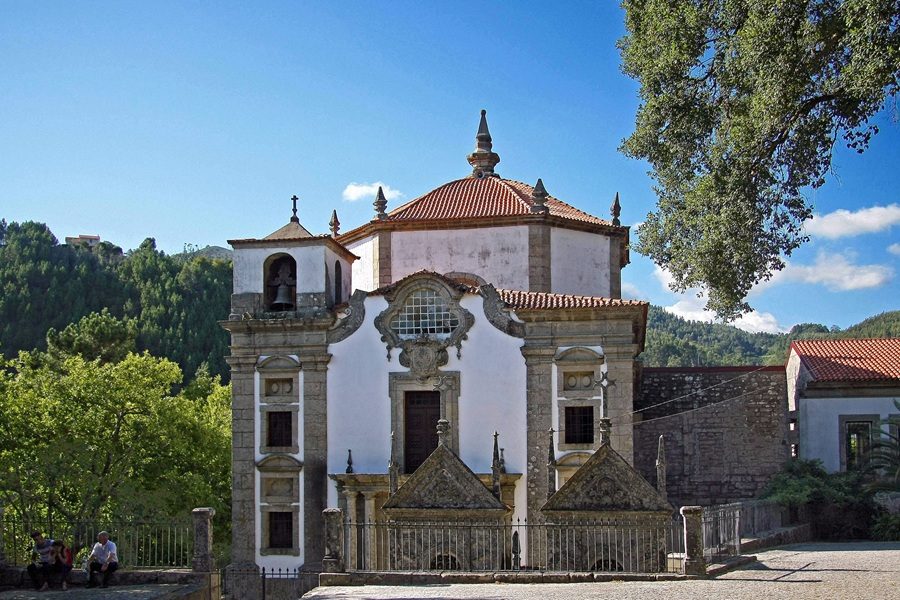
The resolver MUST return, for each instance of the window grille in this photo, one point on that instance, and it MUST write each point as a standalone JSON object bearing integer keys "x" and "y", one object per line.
{"x": 280, "y": 431}
{"x": 425, "y": 312}
{"x": 580, "y": 425}
{"x": 281, "y": 530}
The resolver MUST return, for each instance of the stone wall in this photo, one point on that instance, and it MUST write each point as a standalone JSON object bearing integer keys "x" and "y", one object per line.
{"x": 725, "y": 430}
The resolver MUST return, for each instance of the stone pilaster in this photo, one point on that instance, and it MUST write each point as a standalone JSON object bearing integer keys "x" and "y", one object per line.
{"x": 694, "y": 563}
{"x": 243, "y": 443}
{"x": 382, "y": 262}
{"x": 539, "y": 279}
{"x": 620, "y": 399}
{"x": 371, "y": 548}
{"x": 539, "y": 409}
{"x": 352, "y": 558}
{"x": 203, "y": 561}
{"x": 314, "y": 365}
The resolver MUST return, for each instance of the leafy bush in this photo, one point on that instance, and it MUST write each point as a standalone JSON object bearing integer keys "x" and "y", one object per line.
{"x": 838, "y": 505}
{"x": 886, "y": 528}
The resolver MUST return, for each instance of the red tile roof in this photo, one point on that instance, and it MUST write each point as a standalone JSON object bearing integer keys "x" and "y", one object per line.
{"x": 517, "y": 299}
{"x": 486, "y": 197}
{"x": 850, "y": 360}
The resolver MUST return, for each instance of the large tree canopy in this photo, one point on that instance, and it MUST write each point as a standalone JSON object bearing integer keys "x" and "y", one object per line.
{"x": 742, "y": 103}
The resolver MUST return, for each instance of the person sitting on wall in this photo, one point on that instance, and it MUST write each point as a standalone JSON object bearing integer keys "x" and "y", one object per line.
{"x": 61, "y": 561}
{"x": 40, "y": 571}
{"x": 103, "y": 559}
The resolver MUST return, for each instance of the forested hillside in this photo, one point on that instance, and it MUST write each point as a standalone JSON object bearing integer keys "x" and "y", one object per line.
{"x": 676, "y": 342}
{"x": 174, "y": 301}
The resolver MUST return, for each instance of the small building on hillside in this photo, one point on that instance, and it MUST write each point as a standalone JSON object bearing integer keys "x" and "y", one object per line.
{"x": 839, "y": 392}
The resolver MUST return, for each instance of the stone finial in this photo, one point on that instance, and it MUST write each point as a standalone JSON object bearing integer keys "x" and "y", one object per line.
{"x": 605, "y": 430}
{"x": 496, "y": 467}
{"x": 551, "y": 464}
{"x": 393, "y": 468}
{"x": 349, "y": 461}
{"x": 334, "y": 224}
{"x": 380, "y": 205}
{"x": 538, "y": 197}
{"x": 616, "y": 210}
{"x": 661, "y": 467}
{"x": 484, "y": 159}
{"x": 294, "y": 219}
{"x": 443, "y": 432}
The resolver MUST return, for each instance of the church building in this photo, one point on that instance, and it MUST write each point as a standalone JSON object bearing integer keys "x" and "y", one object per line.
{"x": 486, "y": 305}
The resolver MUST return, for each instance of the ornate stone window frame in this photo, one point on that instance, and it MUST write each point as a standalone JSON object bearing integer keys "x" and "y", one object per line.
{"x": 264, "y": 411}
{"x": 279, "y": 466}
{"x": 579, "y": 362}
{"x": 447, "y": 383}
{"x": 424, "y": 355}
{"x": 278, "y": 369}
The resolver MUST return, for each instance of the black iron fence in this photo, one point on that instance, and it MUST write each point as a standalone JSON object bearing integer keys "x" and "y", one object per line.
{"x": 141, "y": 544}
{"x": 615, "y": 545}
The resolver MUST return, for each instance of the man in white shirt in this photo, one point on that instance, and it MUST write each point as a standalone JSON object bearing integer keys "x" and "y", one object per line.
{"x": 103, "y": 558}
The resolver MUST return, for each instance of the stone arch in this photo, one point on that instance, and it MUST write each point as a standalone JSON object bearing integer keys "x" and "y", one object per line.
{"x": 470, "y": 279}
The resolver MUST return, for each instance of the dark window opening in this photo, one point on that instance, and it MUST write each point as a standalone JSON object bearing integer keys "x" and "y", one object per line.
{"x": 338, "y": 283}
{"x": 580, "y": 425}
{"x": 423, "y": 410}
{"x": 280, "y": 428}
{"x": 858, "y": 443}
{"x": 281, "y": 530}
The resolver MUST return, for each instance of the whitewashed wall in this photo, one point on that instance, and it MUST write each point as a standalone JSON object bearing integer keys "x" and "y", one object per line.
{"x": 579, "y": 262}
{"x": 498, "y": 254}
{"x": 346, "y": 274}
{"x": 364, "y": 268}
{"x": 492, "y": 397}
{"x": 820, "y": 435}
{"x": 248, "y": 268}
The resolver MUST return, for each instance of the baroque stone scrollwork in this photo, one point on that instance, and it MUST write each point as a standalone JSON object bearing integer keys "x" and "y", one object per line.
{"x": 423, "y": 319}
{"x": 355, "y": 314}
{"x": 494, "y": 310}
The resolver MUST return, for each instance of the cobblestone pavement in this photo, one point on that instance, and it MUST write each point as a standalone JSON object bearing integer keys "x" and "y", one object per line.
{"x": 863, "y": 571}
{"x": 115, "y": 592}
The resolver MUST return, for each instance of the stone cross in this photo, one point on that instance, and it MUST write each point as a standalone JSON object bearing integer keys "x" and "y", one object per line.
{"x": 294, "y": 218}
{"x": 605, "y": 430}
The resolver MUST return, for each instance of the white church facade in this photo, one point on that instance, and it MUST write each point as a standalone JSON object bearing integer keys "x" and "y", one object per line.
{"x": 486, "y": 304}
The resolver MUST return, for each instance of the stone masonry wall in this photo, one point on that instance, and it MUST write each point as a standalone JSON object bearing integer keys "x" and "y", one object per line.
{"x": 725, "y": 430}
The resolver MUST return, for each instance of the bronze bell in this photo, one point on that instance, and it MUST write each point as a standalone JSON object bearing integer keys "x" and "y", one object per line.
{"x": 283, "y": 299}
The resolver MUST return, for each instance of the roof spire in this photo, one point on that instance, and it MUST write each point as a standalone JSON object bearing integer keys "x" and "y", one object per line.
{"x": 294, "y": 199}
{"x": 496, "y": 468}
{"x": 538, "y": 197}
{"x": 393, "y": 468}
{"x": 484, "y": 159}
{"x": 616, "y": 210}
{"x": 661, "y": 467}
{"x": 334, "y": 224}
{"x": 380, "y": 205}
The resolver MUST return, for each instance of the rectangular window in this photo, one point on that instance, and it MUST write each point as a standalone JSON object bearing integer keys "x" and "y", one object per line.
{"x": 280, "y": 432}
{"x": 580, "y": 425}
{"x": 858, "y": 443}
{"x": 281, "y": 530}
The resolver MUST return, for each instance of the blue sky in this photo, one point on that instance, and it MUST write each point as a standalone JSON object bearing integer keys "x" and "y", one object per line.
{"x": 194, "y": 122}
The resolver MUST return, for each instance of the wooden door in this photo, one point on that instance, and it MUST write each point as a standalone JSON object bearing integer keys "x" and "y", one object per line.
{"x": 423, "y": 409}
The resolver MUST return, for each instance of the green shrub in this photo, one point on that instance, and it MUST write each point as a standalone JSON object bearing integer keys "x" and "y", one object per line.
{"x": 886, "y": 528}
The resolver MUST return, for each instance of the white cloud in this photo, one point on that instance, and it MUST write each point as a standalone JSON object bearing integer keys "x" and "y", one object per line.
{"x": 691, "y": 307}
{"x": 837, "y": 272}
{"x": 358, "y": 191}
{"x": 843, "y": 223}
{"x": 632, "y": 292}
{"x": 894, "y": 249}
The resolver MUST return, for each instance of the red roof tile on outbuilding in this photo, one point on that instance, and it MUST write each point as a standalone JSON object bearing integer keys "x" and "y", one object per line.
{"x": 850, "y": 359}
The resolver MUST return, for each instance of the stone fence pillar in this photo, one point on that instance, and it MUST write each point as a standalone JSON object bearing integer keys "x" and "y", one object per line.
{"x": 334, "y": 540}
{"x": 694, "y": 563}
{"x": 203, "y": 540}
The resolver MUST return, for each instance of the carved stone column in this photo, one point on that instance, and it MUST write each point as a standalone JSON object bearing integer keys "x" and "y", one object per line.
{"x": 332, "y": 561}
{"x": 694, "y": 562}
{"x": 314, "y": 367}
{"x": 370, "y": 558}
{"x": 203, "y": 540}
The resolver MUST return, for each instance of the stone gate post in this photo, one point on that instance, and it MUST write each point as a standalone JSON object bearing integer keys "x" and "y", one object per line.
{"x": 203, "y": 540}
{"x": 694, "y": 562}
{"x": 334, "y": 540}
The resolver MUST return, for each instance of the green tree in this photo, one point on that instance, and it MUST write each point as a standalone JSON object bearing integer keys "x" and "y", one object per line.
{"x": 742, "y": 103}
{"x": 95, "y": 336}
